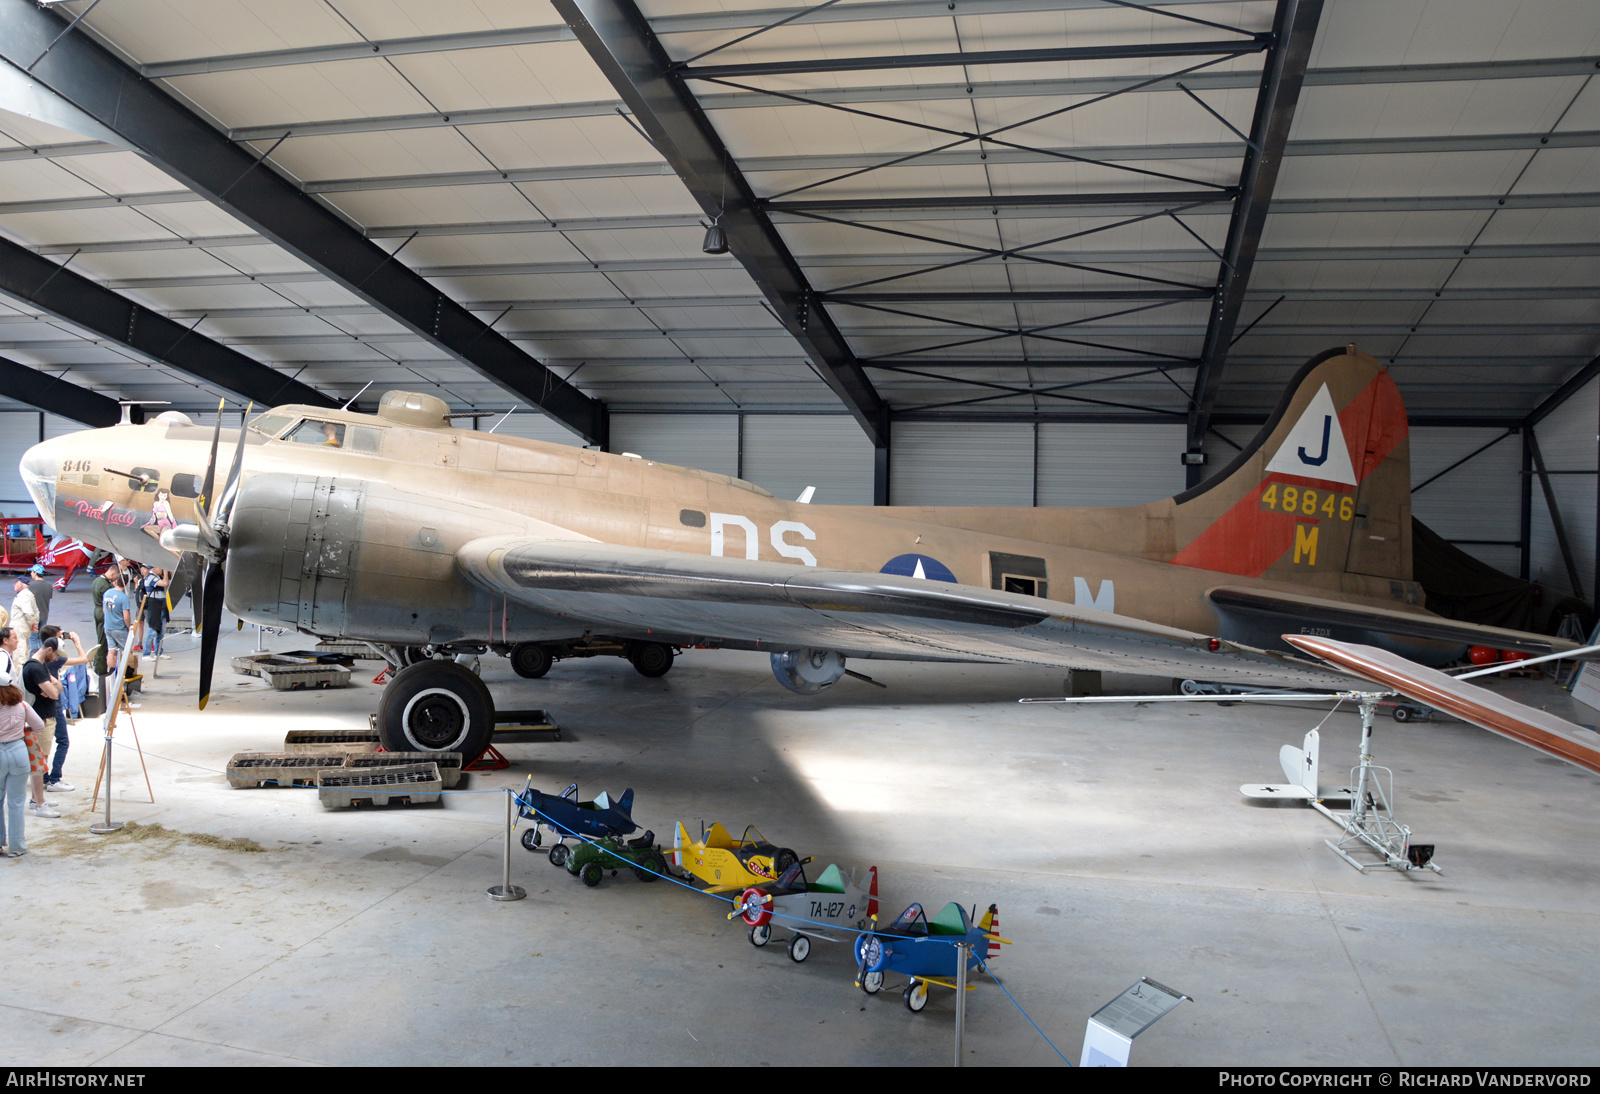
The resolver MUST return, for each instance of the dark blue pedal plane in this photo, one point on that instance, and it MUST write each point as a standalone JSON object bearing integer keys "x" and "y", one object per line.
{"x": 566, "y": 816}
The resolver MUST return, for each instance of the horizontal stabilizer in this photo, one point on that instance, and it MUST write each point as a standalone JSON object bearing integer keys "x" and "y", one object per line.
{"x": 1310, "y": 611}
{"x": 1496, "y": 713}
{"x": 1276, "y": 790}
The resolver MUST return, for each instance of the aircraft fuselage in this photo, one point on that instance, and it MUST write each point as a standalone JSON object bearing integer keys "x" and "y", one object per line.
{"x": 358, "y": 539}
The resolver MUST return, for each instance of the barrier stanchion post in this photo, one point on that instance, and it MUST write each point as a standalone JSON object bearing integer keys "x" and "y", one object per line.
{"x": 101, "y": 828}
{"x": 113, "y": 703}
{"x": 963, "y": 950}
{"x": 505, "y": 890}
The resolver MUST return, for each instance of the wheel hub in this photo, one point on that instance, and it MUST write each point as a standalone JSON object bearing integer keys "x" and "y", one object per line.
{"x": 435, "y": 720}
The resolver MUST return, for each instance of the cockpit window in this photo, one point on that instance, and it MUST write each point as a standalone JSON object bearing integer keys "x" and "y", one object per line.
{"x": 911, "y": 921}
{"x": 364, "y": 438}
{"x": 270, "y": 424}
{"x": 324, "y": 434}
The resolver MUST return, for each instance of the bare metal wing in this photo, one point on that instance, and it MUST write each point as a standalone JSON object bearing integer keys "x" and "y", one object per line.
{"x": 629, "y": 591}
{"x": 1536, "y": 728}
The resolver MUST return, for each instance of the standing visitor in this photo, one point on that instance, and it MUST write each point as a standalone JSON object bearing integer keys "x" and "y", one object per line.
{"x": 118, "y": 619}
{"x": 97, "y": 590}
{"x": 42, "y": 591}
{"x": 53, "y": 782}
{"x": 16, "y": 719}
{"x": 43, "y": 691}
{"x": 155, "y": 611}
{"x": 24, "y": 615}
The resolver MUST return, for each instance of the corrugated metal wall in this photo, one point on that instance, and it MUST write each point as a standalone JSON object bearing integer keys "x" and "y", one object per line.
{"x": 1567, "y": 439}
{"x": 1108, "y": 464}
{"x": 1481, "y": 500}
{"x": 787, "y": 453}
{"x": 531, "y": 425}
{"x": 961, "y": 463}
{"x": 19, "y": 431}
{"x": 709, "y": 442}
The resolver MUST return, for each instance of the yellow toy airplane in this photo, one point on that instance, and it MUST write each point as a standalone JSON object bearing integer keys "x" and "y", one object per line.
{"x": 725, "y": 864}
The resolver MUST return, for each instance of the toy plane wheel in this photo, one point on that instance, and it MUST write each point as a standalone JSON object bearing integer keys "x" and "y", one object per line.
{"x": 872, "y": 983}
{"x": 916, "y": 996}
{"x": 799, "y": 948}
{"x": 558, "y": 854}
{"x": 760, "y": 934}
{"x": 531, "y": 839}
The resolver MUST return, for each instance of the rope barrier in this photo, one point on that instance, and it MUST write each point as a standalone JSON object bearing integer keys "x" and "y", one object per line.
{"x": 984, "y": 965}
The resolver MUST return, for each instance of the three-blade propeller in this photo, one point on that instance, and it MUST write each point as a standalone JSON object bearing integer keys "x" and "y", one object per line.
{"x": 207, "y": 541}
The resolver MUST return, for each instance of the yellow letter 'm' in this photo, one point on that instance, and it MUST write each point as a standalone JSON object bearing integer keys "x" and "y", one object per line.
{"x": 1305, "y": 541}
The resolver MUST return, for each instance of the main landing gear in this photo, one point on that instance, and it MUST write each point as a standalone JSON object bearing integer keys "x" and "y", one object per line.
{"x": 531, "y": 660}
{"x": 436, "y": 706}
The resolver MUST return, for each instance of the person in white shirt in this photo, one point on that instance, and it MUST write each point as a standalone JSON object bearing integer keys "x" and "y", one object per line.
{"x": 24, "y": 616}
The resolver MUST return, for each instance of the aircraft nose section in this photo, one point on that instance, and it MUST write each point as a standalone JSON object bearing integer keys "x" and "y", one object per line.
{"x": 39, "y": 467}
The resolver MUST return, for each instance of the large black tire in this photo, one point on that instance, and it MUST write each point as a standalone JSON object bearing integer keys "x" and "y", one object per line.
{"x": 651, "y": 659}
{"x": 530, "y": 660}
{"x": 436, "y": 706}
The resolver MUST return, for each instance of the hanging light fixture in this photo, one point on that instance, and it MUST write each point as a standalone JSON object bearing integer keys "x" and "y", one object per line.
{"x": 716, "y": 241}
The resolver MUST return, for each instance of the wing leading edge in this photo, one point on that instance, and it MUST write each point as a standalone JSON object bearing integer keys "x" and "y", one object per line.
{"x": 631, "y": 591}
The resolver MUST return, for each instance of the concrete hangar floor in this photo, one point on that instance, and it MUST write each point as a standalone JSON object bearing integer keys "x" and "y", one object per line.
{"x": 1113, "y": 839}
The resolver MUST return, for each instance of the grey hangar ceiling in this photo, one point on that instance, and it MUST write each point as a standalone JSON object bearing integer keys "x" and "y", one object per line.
{"x": 1015, "y": 209}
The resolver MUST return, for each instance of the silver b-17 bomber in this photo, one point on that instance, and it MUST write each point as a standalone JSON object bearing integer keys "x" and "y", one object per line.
{"x": 395, "y": 528}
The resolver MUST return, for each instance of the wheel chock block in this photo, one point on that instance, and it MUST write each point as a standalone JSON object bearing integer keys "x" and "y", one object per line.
{"x": 252, "y": 769}
{"x": 449, "y": 763}
{"x": 330, "y": 740}
{"x": 404, "y": 784}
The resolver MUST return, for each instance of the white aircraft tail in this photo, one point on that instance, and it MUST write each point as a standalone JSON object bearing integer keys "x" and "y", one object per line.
{"x": 1301, "y": 766}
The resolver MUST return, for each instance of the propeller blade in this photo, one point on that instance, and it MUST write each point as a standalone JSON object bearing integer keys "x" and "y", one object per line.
{"x": 184, "y": 577}
{"x": 204, "y": 500}
{"x": 211, "y": 609}
{"x": 230, "y": 492}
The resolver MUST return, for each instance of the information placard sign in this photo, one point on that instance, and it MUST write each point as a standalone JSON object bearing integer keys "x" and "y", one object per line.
{"x": 1109, "y": 1037}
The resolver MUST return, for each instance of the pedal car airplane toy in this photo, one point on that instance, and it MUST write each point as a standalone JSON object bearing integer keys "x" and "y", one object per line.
{"x": 924, "y": 951}
{"x": 808, "y": 910}
{"x": 724, "y": 863}
{"x": 396, "y": 529}
{"x": 566, "y": 816}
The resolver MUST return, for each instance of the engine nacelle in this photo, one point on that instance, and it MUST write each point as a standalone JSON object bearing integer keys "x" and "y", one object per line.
{"x": 806, "y": 672}
{"x": 332, "y": 556}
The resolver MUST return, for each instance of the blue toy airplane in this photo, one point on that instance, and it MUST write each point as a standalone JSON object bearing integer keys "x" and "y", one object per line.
{"x": 925, "y": 952}
{"x": 567, "y": 816}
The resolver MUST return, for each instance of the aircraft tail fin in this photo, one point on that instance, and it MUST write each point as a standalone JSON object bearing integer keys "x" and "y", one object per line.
{"x": 680, "y": 836}
{"x": 1322, "y": 491}
{"x": 990, "y": 925}
{"x": 625, "y": 803}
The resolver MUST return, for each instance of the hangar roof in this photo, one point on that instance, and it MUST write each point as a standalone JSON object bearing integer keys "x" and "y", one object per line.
{"x": 1019, "y": 208}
